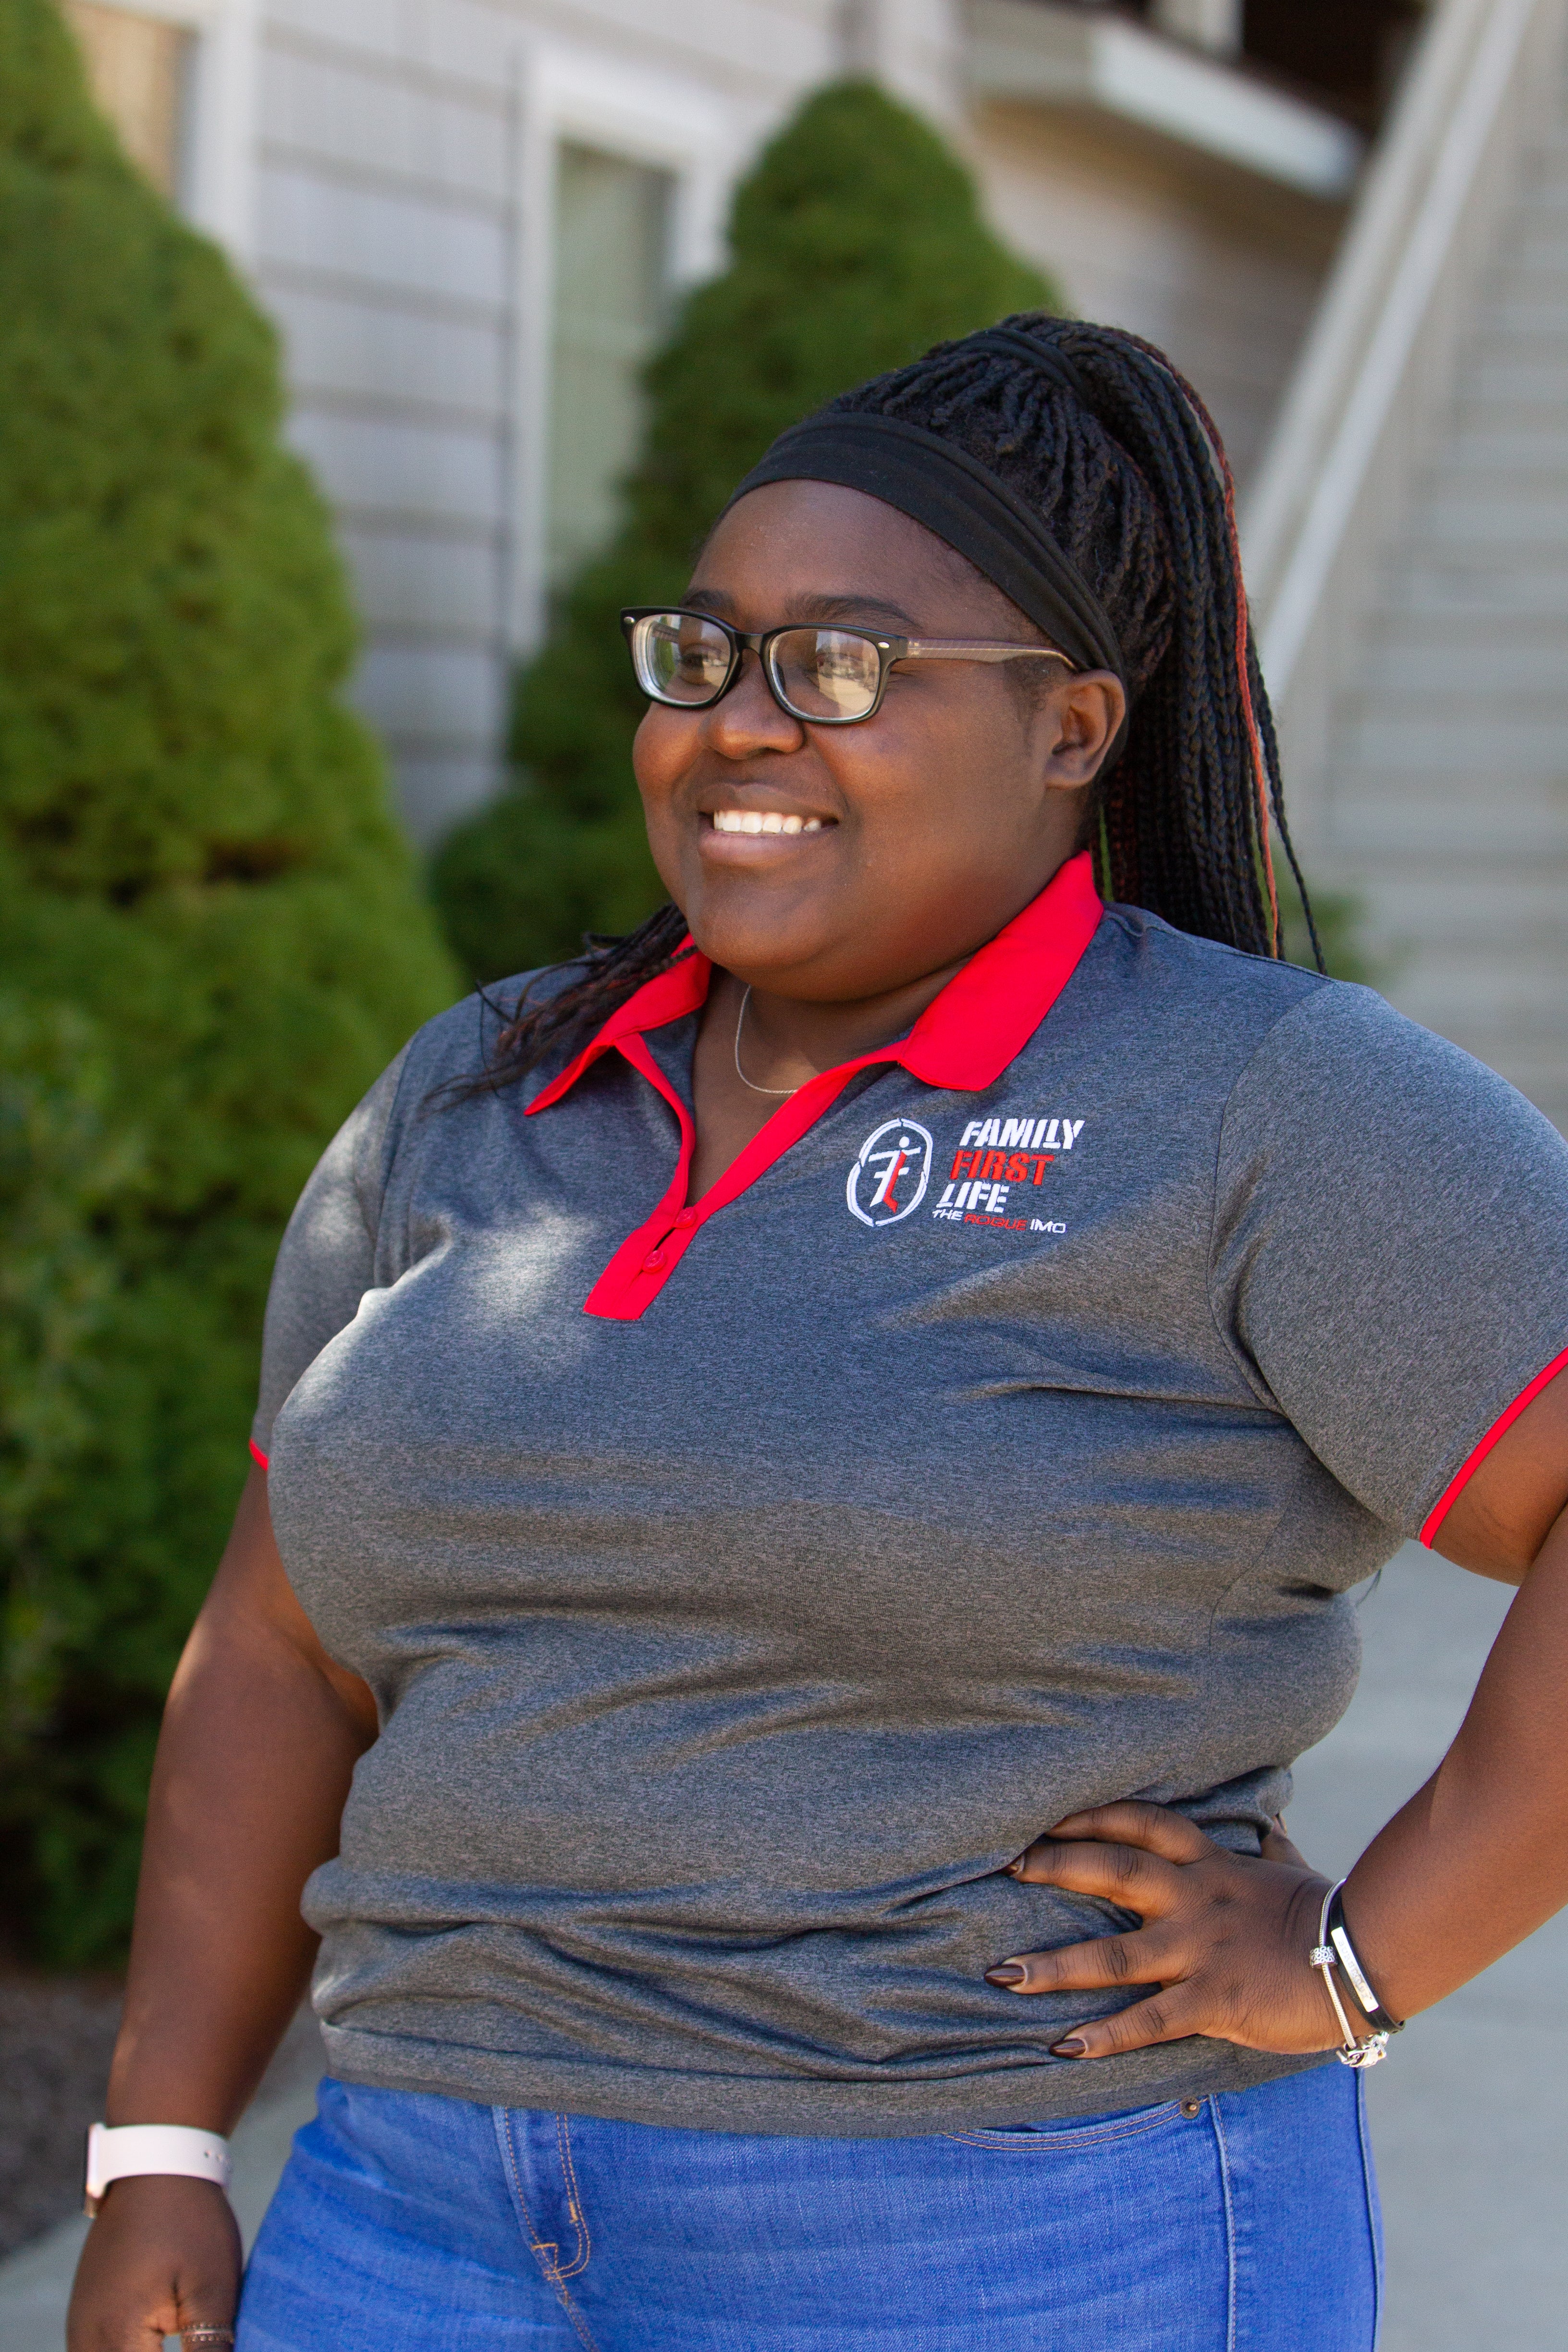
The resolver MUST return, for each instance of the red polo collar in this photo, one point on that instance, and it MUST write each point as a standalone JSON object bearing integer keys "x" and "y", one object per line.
{"x": 963, "y": 1040}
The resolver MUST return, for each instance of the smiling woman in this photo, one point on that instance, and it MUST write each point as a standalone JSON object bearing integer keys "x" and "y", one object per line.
{"x": 810, "y": 1467}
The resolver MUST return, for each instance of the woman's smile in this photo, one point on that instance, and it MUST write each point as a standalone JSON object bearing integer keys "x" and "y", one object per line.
{"x": 751, "y": 822}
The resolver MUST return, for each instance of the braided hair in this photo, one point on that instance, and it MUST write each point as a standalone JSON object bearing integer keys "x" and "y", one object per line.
{"x": 1132, "y": 482}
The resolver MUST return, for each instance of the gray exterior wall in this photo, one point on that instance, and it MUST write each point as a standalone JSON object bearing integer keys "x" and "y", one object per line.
{"x": 401, "y": 241}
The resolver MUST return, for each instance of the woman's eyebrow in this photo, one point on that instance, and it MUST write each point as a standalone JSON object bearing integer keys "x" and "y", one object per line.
{"x": 813, "y": 608}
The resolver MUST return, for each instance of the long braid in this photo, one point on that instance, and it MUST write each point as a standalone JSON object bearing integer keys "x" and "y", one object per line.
{"x": 1132, "y": 481}
{"x": 613, "y": 970}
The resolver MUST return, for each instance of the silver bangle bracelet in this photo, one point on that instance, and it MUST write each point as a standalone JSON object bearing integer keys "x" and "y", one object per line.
{"x": 1339, "y": 1936}
{"x": 1326, "y": 1959}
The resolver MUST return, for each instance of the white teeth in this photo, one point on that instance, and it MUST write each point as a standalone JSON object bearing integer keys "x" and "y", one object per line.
{"x": 753, "y": 821}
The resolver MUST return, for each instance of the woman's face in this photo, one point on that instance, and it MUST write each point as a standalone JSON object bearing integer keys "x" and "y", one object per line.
{"x": 940, "y": 818}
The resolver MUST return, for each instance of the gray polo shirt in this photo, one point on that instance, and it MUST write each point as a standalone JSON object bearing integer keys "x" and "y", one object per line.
{"x": 744, "y": 1586}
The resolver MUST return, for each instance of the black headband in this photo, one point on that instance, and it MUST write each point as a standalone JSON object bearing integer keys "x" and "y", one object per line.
{"x": 1045, "y": 359}
{"x": 967, "y": 507}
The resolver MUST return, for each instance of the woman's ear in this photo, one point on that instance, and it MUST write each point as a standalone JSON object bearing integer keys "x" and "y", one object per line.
{"x": 1080, "y": 719}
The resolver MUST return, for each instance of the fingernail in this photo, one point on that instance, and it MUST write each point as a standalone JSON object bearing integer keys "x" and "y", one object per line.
{"x": 1073, "y": 2047}
{"x": 1007, "y": 1973}
{"x": 1016, "y": 1869}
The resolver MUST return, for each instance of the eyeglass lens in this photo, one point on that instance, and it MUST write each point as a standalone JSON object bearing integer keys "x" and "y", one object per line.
{"x": 681, "y": 657}
{"x": 825, "y": 673}
{"x": 816, "y": 673}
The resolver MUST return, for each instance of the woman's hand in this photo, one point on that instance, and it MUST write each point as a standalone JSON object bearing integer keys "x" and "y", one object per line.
{"x": 1471, "y": 1864}
{"x": 163, "y": 2254}
{"x": 1225, "y": 1936}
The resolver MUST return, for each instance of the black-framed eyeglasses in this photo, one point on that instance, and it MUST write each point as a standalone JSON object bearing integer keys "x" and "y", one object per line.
{"x": 826, "y": 675}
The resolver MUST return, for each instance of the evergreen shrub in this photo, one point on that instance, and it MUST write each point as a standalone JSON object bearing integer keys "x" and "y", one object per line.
{"x": 210, "y": 941}
{"x": 855, "y": 243}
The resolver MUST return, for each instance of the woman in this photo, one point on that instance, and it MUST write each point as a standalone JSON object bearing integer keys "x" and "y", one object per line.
{"x": 817, "y": 1457}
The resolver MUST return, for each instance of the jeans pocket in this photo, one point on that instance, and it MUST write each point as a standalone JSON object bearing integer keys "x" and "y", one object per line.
{"x": 1070, "y": 2134}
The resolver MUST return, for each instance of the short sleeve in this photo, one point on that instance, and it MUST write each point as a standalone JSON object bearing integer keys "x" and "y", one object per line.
{"x": 1390, "y": 1256}
{"x": 326, "y": 1261}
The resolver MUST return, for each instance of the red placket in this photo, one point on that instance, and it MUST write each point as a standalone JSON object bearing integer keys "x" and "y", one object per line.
{"x": 965, "y": 1040}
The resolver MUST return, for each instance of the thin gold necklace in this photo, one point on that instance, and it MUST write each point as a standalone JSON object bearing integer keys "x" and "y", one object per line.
{"x": 777, "y": 1092}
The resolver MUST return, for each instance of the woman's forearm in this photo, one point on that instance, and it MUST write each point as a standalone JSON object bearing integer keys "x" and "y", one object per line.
{"x": 259, "y": 1744}
{"x": 1478, "y": 1857}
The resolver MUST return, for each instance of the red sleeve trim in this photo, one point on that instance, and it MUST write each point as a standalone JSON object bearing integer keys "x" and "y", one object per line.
{"x": 256, "y": 1454}
{"x": 1503, "y": 1422}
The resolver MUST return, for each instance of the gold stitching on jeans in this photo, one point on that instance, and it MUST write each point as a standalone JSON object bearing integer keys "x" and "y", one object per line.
{"x": 540, "y": 2247}
{"x": 544, "y": 2247}
{"x": 1028, "y": 2143}
{"x": 574, "y": 2199}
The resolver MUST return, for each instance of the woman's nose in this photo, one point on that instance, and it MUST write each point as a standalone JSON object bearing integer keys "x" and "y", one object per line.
{"x": 747, "y": 720}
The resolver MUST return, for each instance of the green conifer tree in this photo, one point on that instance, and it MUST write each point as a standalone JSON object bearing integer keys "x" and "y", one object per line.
{"x": 210, "y": 941}
{"x": 855, "y": 243}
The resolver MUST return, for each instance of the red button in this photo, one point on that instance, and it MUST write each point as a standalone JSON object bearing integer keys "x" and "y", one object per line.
{"x": 687, "y": 1217}
{"x": 655, "y": 1257}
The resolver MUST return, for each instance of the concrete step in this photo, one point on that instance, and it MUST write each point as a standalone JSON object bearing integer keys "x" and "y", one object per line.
{"x": 1498, "y": 336}
{"x": 1455, "y": 680}
{"x": 1432, "y": 653}
{"x": 1495, "y": 414}
{"x": 1407, "y": 808}
{"x": 1467, "y": 581}
{"x": 1484, "y": 807}
{"x": 1525, "y": 564}
{"x": 1452, "y": 683}
{"x": 1545, "y": 193}
{"x": 1541, "y": 239}
{"x": 1515, "y": 457}
{"x": 1524, "y": 377}
{"x": 1533, "y": 757}
{"x": 1506, "y": 912}
{"x": 1513, "y": 275}
{"x": 1493, "y": 634}
{"x": 1528, "y": 303}
{"x": 1489, "y": 960}
{"x": 1471, "y": 518}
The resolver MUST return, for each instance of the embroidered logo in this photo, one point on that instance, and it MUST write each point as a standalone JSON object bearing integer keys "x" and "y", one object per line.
{"x": 889, "y": 1178}
{"x": 996, "y": 1157}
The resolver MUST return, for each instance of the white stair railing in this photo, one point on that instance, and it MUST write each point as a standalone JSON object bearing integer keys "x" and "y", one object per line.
{"x": 1378, "y": 364}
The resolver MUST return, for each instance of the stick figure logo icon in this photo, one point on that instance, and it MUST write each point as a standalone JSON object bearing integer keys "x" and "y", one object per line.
{"x": 889, "y": 1178}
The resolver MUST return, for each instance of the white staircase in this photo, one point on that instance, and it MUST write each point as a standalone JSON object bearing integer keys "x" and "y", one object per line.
{"x": 1412, "y": 551}
{"x": 1446, "y": 794}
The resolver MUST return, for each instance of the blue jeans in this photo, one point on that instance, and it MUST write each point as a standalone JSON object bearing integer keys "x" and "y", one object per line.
{"x": 407, "y": 2223}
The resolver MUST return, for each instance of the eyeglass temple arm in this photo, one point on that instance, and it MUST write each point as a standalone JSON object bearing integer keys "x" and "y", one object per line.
{"x": 979, "y": 649}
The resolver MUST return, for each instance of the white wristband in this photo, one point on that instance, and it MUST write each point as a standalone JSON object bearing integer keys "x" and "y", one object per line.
{"x": 130, "y": 2149}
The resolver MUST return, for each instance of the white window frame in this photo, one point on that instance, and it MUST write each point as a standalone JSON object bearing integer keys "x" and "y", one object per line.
{"x": 216, "y": 183}
{"x": 574, "y": 96}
